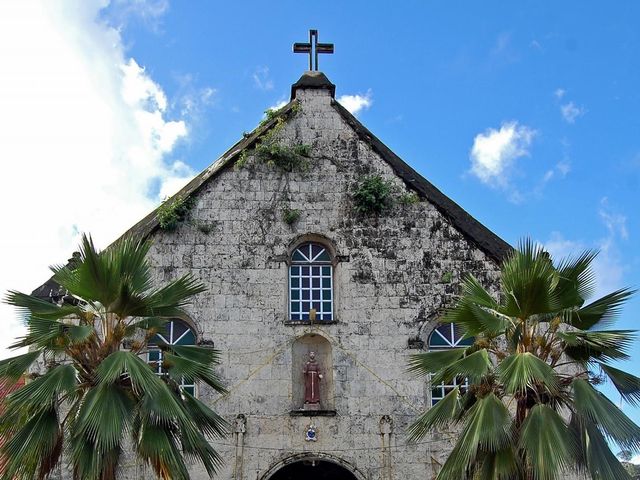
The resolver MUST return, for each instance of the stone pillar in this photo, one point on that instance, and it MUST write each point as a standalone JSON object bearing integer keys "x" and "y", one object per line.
{"x": 386, "y": 429}
{"x": 239, "y": 431}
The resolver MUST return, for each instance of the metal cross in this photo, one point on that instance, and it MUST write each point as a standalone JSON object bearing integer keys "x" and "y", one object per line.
{"x": 313, "y": 48}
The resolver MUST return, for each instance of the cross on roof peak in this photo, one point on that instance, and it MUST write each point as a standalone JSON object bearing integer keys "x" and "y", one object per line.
{"x": 313, "y": 48}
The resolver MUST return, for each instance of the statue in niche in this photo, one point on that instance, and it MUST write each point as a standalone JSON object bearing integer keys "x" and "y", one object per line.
{"x": 312, "y": 377}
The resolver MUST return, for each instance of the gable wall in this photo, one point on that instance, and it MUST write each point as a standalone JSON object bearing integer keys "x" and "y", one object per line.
{"x": 390, "y": 286}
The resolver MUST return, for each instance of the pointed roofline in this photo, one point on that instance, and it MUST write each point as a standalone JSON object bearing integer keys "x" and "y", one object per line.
{"x": 472, "y": 229}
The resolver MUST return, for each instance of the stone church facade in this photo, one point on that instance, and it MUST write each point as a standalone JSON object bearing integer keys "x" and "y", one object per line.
{"x": 378, "y": 284}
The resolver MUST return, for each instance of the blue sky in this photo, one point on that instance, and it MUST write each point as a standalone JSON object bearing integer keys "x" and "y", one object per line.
{"x": 526, "y": 114}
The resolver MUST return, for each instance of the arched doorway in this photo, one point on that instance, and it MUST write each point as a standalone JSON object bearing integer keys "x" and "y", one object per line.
{"x": 313, "y": 466}
{"x": 313, "y": 469}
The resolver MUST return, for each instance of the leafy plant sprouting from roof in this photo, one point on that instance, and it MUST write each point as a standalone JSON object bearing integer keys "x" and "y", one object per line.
{"x": 93, "y": 398}
{"x": 531, "y": 410}
{"x": 270, "y": 151}
{"x": 373, "y": 195}
{"x": 173, "y": 211}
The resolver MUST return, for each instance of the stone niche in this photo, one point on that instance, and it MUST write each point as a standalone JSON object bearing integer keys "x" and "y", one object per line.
{"x": 299, "y": 356}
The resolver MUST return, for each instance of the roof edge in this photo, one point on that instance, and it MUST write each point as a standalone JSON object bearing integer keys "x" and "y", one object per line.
{"x": 484, "y": 238}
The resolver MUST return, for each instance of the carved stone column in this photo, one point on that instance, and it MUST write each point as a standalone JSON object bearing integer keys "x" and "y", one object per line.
{"x": 386, "y": 429}
{"x": 240, "y": 428}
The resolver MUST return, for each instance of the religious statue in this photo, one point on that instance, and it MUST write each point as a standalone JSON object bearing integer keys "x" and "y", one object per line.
{"x": 312, "y": 377}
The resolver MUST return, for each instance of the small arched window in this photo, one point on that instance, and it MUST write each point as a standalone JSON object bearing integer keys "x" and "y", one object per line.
{"x": 175, "y": 332}
{"x": 311, "y": 283}
{"x": 448, "y": 335}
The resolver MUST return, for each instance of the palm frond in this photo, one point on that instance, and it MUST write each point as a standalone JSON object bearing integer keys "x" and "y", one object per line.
{"x": 204, "y": 355}
{"x": 487, "y": 428}
{"x": 601, "y": 312}
{"x": 90, "y": 464}
{"x": 43, "y": 392}
{"x": 587, "y": 346}
{"x": 528, "y": 282}
{"x": 207, "y": 421}
{"x": 549, "y": 447}
{"x": 143, "y": 379}
{"x": 54, "y": 335}
{"x": 473, "y": 366}
{"x": 150, "y": 323}
{"x": 431, "y": 362}
{"x": 501, "y": 465}
{"x": 520, "y": 371}
{"x": 628, "y": 385}
{"x": 187, "y": 364}
{"x": 595, "y": 456}
{"x": 439, "y": 415}
{"x": 476, "y": 320}
{"x": 168, "y": 301}
{"x": 30, "y": 444}
{"x": 164, "y": 407}
{"x": 196, "y": 446}
{"x": 157, "y": 445}
{"x": 128, "y": 256}
{"x": 576, "y": 279}
{"x": 30, "y": 305}
{"x": 93, "y": 278}
{"x": 13, "y": 368}
{"x": 593, "y": 405}
{"x": 474, "y": 292}
{"x": 105, "y": 416}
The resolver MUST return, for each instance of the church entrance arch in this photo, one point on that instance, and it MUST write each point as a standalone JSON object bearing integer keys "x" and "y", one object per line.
{"x": 313, "y": 467}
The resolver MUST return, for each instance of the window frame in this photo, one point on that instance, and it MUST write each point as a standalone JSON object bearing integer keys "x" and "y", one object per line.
{"x": 156, "y": 363}
{"x": 454, "y": 340}
{"x": 325, "y": 286}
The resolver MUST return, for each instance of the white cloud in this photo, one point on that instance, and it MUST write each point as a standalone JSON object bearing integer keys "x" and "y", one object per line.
{"x": 615, "y": 222}
{"x": 261, "y": 78}
{"x": 192, "y": 100}
{"x": 494, "y": 152}
{"x": 279, "y": 104}
{"x": 122, "y": 12}
{"x": 558, "y": 172}
{"x": 563, "y": 167}
{"x": 85, "y": 138}
{"x": 357, "y": 103}
{"x": 559, "y": 93}
{"x": 570, "y": 111}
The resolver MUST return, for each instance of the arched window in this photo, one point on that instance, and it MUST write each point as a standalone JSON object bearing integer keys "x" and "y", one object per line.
{"x": 175, "y": 332}
{"x": 448, "y": 335}
{"x": 311, "y": 283}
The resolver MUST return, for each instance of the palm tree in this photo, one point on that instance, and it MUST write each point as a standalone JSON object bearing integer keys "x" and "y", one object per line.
{"x": 531, "y": 410}
{"x": 93, "y": 398}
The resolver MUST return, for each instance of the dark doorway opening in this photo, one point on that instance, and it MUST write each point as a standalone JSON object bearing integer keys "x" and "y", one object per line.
{"x": 313, "y": 470}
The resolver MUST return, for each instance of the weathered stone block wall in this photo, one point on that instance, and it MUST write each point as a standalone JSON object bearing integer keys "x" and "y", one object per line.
{"x": 393, "y": 276}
